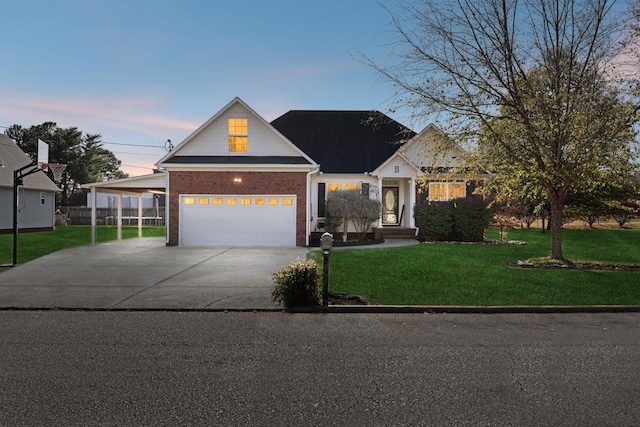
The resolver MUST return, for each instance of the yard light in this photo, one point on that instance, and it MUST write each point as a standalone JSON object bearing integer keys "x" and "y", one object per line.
{"x": 326, "y": 243}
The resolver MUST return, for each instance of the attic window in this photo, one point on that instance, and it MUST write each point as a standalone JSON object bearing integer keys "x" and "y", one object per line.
{"x": 238, "y": 135}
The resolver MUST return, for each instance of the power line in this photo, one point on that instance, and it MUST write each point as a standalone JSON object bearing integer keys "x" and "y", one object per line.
{"x": 135, "y": 154}
{"x": 138, "y": 167}
{"x": 131, "y": 145}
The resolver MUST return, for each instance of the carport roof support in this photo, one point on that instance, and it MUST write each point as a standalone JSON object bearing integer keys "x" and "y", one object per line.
{"x": 154, "y": 183}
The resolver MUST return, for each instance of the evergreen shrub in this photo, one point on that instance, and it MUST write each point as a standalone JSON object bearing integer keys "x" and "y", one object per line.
{"x": 471, "y": 216}
{"x": 296, "y": 285}
{"x": 434, "y": 220}
{"x": 463, "y": 219}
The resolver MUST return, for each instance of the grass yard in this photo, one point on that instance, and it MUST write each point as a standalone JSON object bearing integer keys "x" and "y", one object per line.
{"x": 461, "y": 274}
{"x": 35, "y": 245}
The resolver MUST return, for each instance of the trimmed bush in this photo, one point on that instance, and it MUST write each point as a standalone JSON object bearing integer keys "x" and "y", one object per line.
{"x": 434, "y": 220}
{"x": 471, "y": 216}
{"x": 463, "y": 219}
{"x": 296, "y": 285}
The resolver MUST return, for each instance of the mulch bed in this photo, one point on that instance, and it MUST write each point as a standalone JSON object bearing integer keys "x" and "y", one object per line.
{"x": 574, "y": 266}
{"x": 344, "y": 299}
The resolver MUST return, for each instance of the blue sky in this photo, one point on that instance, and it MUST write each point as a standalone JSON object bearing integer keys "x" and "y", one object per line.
{"x": 141, "y": 72}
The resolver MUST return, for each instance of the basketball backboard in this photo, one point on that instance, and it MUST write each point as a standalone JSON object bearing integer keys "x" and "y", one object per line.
{"x": 43, "y": 153}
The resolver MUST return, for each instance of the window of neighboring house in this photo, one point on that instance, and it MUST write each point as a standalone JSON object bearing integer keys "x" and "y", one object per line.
{"x": 43, "y": 198}
{"x": 238, "y": 135}
{"x": 440, "y": 191}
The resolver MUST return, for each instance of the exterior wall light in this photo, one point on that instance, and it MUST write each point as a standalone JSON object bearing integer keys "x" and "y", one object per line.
{"x": 237, "y": 180}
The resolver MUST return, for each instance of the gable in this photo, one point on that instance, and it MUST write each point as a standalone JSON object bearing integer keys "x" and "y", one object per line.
{"x": 209, "y": 144}
{"x": 423, "y": 151}
{"x": 421, "y": 154}
{"x": 343, "y": 141}
{"x": 397, "y": 166}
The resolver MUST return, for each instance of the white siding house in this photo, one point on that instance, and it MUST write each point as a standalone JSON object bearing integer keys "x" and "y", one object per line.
{"x": 36, "y": 198}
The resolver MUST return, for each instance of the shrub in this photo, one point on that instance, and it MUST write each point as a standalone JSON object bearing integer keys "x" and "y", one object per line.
{"x": 296, "y": 285}
{"x": 463, "y": 219}
{"x": 471, "y": 217}
{"x": 434, "y": 219}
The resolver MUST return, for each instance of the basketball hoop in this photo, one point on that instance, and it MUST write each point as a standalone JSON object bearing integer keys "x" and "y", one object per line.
{"x": 56, "y": 170}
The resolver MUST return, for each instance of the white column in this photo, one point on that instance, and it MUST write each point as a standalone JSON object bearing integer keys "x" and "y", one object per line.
{"x": 94, "y": 201}
{"x": 412, "y": 202}
{"x": 380, "y": 200}
{"x": 119, "y": 216}
{"x": 140, "y": 215}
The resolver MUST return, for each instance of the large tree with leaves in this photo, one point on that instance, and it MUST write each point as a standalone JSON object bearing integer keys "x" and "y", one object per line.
{"x": 543, "y": 79}
{"x": 86, "y": 159}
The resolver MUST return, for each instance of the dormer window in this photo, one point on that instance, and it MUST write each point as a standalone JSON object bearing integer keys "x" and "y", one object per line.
{"x": 238, "y": 135}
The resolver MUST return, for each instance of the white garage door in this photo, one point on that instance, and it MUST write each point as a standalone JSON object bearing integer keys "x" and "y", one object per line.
{"x": 237, "y": 220}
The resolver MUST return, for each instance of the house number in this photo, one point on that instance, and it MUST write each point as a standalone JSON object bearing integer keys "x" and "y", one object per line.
{"x": 397, "y": 169}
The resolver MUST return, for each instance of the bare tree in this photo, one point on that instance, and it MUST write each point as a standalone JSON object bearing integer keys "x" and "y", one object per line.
{"x": 353, "y": 207}
{"x": 548, "y": 82}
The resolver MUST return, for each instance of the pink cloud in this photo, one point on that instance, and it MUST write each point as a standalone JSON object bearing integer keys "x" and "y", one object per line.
{"x": 97, "y": 115}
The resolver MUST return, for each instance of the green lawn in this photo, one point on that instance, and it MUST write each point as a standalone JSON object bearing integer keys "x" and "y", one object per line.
{"x": 35, "y": 245}
{"x": 460, "y": 274}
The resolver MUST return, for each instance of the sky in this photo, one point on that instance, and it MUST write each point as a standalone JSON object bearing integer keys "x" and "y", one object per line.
{"x": 140, "y": 72}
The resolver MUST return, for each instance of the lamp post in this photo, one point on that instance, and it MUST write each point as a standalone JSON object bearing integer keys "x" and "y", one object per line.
{"x": 326, "y": 243}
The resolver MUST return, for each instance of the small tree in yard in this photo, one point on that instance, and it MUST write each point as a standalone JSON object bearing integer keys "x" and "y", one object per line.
{"x": 509, "y": 214}
{"x": 351, "y": 206}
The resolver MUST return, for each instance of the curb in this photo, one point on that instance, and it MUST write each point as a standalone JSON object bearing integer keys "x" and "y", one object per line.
{"x": 367, "y": 309}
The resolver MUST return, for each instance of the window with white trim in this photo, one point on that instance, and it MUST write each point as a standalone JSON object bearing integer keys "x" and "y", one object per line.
{"x": 441, "y": 191}
{"x": 43, "y": 198}
{"x": 238, "y": 135}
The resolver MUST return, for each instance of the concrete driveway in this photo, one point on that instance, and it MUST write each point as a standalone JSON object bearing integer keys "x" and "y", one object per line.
{"x": 144, "y": 273}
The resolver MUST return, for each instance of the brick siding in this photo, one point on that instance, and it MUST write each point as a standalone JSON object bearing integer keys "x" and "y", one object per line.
{"x": 253, "y": 183}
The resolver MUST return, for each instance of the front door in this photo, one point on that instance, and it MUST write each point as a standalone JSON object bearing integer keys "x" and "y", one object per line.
{"x": 390, "y": 205}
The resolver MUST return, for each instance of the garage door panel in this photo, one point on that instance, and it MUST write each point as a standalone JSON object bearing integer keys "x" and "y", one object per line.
{"x": 238, "y": 224}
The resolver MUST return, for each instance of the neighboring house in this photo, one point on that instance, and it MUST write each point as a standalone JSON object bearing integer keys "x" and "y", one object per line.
{"x": 239, "y": 180}
{"x": 36, "y": 198}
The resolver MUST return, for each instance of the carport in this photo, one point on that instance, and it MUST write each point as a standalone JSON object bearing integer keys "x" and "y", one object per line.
{"x": 155, "y": 183}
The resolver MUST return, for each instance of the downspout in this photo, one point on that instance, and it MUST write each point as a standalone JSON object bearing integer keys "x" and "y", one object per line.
{"x": 166, "y": 206}
{"x": 308, "y": 208}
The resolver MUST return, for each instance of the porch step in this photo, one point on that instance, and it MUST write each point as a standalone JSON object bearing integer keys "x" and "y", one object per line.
{"x": 390, "y": 232}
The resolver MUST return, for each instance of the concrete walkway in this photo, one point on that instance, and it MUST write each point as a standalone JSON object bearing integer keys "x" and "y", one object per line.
{"x": 144, "y": 273}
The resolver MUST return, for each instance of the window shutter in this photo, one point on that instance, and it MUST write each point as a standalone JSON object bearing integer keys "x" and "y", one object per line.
{"x": 365, "y": 189}
{"x": 322, "y": 202}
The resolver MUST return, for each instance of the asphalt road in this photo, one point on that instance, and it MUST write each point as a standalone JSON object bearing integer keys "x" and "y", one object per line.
{"x": 202, "y": 368}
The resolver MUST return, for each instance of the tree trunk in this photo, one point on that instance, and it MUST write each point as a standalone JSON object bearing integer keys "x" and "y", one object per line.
{"x": 555, "y": 223}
